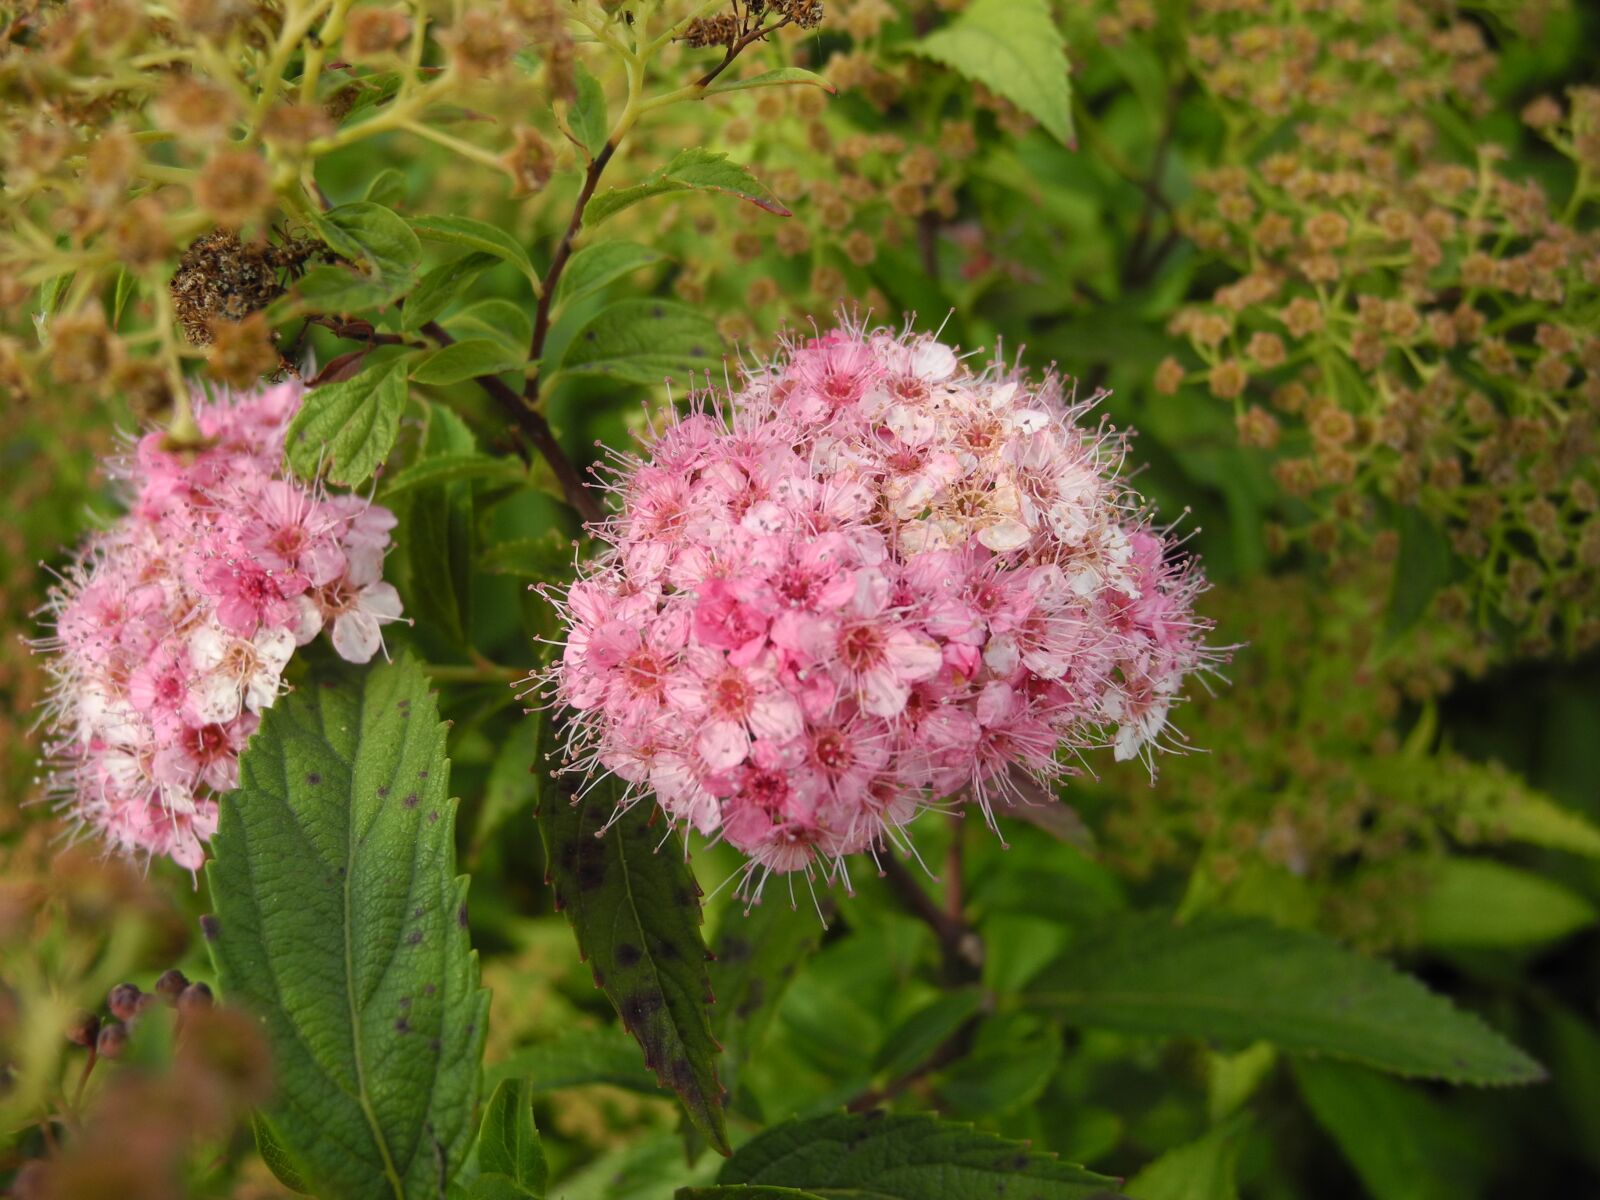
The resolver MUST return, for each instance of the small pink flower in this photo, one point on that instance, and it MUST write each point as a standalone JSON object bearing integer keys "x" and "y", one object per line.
{"x": 731, "y": 705}
{"x": 289, "y": 534}
{"x": 725, "y": 621}
{"x": 162, "y": 688}
{"x": 247, "y": 595}
{"x": 874, "y": 655}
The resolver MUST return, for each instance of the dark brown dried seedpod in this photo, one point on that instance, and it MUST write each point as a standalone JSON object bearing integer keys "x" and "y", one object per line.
{"x": 222, "y": 278}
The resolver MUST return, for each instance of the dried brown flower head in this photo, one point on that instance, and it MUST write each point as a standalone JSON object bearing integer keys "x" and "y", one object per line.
{"x": 241, "y": 351}
{"x": 222, "y": 277}
{"x": 374, "y": 32}
{"x": 235, "y": 188}
{"x": 530, "y": 162}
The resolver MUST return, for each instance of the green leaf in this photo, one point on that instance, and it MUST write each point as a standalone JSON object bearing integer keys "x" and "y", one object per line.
{"x": 453, "y": 468}
{"x": 645, "y": 341}
{"x": 741, "y": 1192}
{"x": 514, "y": 782}
{"x": 374, "y": 237}
{"x": 508, "y": 1143}
{"x": 478, "y": 236}
{"x": 1013, "y": 1059}
{"x": 580, "y": 1058}
{"x": 545, "y": 558}
{"x": 1571, "y": 1039}
{"x": 333, "y": 288}
{"x": 643, "y": 1168}
{"x": 1403, "y": 1143}
{"x": 883, "y": 1157}
{"x": 690, "y": 170}
{"x": 388, "y": 187}
{"x": 1203, "y": 1169}
{"x": 586, "y": 116}
{"x": 1480, "y": 902}
{"x": 491, "y": 1185}
{"x": 1420, "y": 570}
{"x": 347, "y": 429}
{"x": 594, "y": 266}
{"x": 921, "y": 1033}
{"x": 435, "y": 539}
{"x": 466, "y": 360}
{"x": 1015, "y": 49}
{"x": 370, "y": 91}
{"x": 1510, "y": 810}
{"x": 1244, "y": 980}
{"x": 442, "y": 287}
{"x": 1490, "y": 802}
{"x": 341, "y": 923}
{"x": 635, "y": 907}
{"x": 127, "y": 285}
{"x": 276, "y": 1157}
{"x": 1035, "y": 805}
{"x": 52, "y": 290}
{"x": 782, "y": 77}
{"x": 757, "y": 956}
{"x": 498, "y": 320}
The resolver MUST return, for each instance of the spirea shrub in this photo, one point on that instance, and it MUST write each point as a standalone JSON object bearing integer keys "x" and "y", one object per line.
{"x": 871, "y": 579}
{"x": 173, "y": 626}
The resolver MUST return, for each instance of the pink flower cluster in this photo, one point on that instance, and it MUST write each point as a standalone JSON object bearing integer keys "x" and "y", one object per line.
{"x": 874, "y": 580}
{"x": 173, "y": 627}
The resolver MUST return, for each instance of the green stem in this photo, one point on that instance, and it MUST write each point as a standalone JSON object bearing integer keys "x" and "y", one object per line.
{"x": 464, "y": 148}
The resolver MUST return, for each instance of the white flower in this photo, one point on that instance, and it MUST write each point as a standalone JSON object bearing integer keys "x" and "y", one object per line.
{"x": 356, "y": 628}
{"x": 236, "y": 672}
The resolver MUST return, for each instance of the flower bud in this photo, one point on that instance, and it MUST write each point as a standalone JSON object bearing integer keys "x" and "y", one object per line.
{"x": 195, "y": 997}
{"x": 123, "y": 1001}
{"x": 113, "y": 1040}
{"x": 171, "y": 985}
{"x": 83, "y": 1029}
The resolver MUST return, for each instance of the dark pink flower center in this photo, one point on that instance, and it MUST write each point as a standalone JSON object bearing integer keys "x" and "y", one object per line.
{"x": 730, "y": 697}
{"x": 861, "y": 647}
{"x": 645, "y": 673}
{"x": 832, "y": 751}
{"x": 207, "y": 743}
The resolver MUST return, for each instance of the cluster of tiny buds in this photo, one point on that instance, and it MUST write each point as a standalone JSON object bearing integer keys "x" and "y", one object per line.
{"x": 746, "y": 21}
{"x": 1454, "y": 295}
{"x": 108, "y": 1037}
{"x": 859, "y": 194}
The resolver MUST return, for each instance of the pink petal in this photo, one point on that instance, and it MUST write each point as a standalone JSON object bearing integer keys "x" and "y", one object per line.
{"x": 723, "y": 744}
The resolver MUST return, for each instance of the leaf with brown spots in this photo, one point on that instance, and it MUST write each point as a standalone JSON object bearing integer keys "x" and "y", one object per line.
{"x": 339, "y": 925}
{"x": 635, "y": 907}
